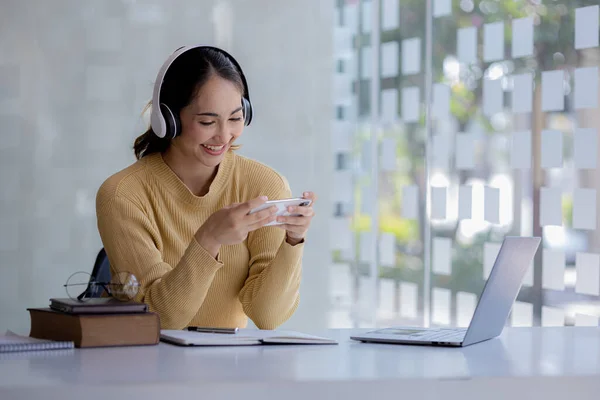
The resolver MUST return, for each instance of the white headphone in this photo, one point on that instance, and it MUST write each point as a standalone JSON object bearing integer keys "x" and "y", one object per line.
{"x": 163, "y": 121}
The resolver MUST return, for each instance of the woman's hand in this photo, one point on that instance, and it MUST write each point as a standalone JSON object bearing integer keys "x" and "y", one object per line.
{"x": 296, "y": 227}
{"x": 231, "y": 224}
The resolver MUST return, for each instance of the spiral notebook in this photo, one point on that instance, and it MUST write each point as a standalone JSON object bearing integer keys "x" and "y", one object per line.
{"x": 11, "y": 342}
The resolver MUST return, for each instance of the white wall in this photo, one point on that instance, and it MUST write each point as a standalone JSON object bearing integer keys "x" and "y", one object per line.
{"x": 74, "y": 77}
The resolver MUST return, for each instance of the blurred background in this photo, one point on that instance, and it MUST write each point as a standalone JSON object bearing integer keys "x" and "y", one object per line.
{"x": 429, "y": 129}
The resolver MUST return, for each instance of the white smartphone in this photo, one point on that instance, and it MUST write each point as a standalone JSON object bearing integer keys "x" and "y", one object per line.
{"x": 282, "y": 206}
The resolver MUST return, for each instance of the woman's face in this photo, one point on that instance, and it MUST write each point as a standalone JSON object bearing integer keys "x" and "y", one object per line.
{"x": 211, "y": 122}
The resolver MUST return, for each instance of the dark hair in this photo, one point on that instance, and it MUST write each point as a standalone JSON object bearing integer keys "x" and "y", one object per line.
{"x": 184, "y": 78}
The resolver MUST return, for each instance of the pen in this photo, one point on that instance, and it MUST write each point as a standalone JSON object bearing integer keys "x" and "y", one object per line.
{"x": 212, "y": 330}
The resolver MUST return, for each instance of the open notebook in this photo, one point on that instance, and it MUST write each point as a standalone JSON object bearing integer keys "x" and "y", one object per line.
{"x": 244, "y": 337}
{"x": 11, "y": 342}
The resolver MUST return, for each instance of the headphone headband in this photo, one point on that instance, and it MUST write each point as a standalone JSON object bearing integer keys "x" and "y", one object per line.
{"x": 159, "y": 122}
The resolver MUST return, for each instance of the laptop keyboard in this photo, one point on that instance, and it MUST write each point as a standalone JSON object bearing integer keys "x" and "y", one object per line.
{"x": 445, "y": 335}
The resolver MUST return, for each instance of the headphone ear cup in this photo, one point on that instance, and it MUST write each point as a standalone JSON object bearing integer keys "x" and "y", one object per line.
{"x": 177, "y": 126}
{"x": 172, "y": 122}
{"x": 247, "y": 109}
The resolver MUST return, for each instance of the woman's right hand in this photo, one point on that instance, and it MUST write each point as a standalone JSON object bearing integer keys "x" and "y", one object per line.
{"x": 231, "y": 224}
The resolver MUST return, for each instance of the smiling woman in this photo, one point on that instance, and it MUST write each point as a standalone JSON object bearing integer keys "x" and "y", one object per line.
{"x": 179, "y": 218}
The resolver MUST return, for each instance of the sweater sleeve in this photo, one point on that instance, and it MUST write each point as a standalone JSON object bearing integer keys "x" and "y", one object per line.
{"x": 270, "y": 294}
{"x": 132, "y": 244}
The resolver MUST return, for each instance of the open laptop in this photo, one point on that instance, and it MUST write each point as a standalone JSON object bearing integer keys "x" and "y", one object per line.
{"x": 499, "y": 293}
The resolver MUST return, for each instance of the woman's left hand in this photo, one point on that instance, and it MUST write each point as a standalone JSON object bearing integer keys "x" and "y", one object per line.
{"x": 296, "y": 227}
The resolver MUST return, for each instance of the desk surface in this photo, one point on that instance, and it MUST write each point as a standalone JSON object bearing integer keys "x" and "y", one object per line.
{"x": 517, "y": 353}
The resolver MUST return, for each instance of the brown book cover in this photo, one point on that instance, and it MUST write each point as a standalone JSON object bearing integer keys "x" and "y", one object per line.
{"x": 95, "y": 330}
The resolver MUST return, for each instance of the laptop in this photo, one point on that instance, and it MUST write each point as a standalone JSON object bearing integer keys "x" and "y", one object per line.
{"x": 499, "y": 293}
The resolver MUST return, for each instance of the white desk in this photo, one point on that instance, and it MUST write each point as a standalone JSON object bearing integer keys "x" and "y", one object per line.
{"x": 524, "y": 362}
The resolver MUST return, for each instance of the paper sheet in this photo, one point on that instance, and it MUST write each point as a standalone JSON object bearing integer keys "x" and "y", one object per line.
{"x": 411, "y": 104}
{"x": 411, "y": 56}
{"x": 553, "y": 98}
{"x": 588, "y": 274}
{"x": 550, "y": 207}
{"x": 442, "y": 256}
{"x": 492, "y": 205}
{"x": 465, "y": 151}
{"x": 438, "y": 202}
{"x": 584, "y": 209}
{"x": 586, "y": 27}
{"x": 493, "y": 97}
{"x": 553, "y": 266}
{"x": 493, "y": 41}
{"x": 440, "y": 107}
{"x": 552, "y": 149}
{"x": 410, "y": 202}
{"x": 522, "y": 34}
{"x": 585, "y": 152}
{"x": 586, "y": 88}
{"x": 522, "y": 93}
{"x": 467, "y": 45}
{"x": 465, "y": 202}
{"x": 389, "y": 59}
{"x": 520, "y": 150}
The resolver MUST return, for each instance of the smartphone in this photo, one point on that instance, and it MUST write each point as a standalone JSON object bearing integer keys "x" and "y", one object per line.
{"x": 282, "y": 206}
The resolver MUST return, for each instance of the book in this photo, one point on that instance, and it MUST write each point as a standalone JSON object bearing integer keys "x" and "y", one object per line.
{"x": 95, "y": 330}
{"x": 11, "y": 342}
{"x": 244, "y": 337}
{"x": 101, "y": 305}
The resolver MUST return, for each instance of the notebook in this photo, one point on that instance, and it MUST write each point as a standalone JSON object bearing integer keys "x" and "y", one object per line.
{"x": 11, "y": 342}
{"x": 101, "y": 305}
{"x": 244, "y": 337}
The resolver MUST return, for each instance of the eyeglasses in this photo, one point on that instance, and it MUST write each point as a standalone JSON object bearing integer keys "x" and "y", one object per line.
{"x": 123, "y": 286}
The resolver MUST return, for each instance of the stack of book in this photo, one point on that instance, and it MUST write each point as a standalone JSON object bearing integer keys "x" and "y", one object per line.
{"x": 97, "y": 322}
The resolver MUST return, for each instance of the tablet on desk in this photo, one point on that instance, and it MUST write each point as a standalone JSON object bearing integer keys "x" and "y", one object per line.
{"x": 101, "y": 305}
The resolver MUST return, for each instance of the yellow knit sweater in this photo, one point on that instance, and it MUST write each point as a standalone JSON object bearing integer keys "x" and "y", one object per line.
{"x": 147, "y": 219}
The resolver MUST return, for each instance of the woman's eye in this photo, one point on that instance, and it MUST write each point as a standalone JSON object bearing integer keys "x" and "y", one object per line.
{"x": 236, "y": 119}
{"x": 206, "y": 123}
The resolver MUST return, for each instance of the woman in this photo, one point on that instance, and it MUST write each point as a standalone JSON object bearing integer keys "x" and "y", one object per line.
{"x": 178, "y": 218}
